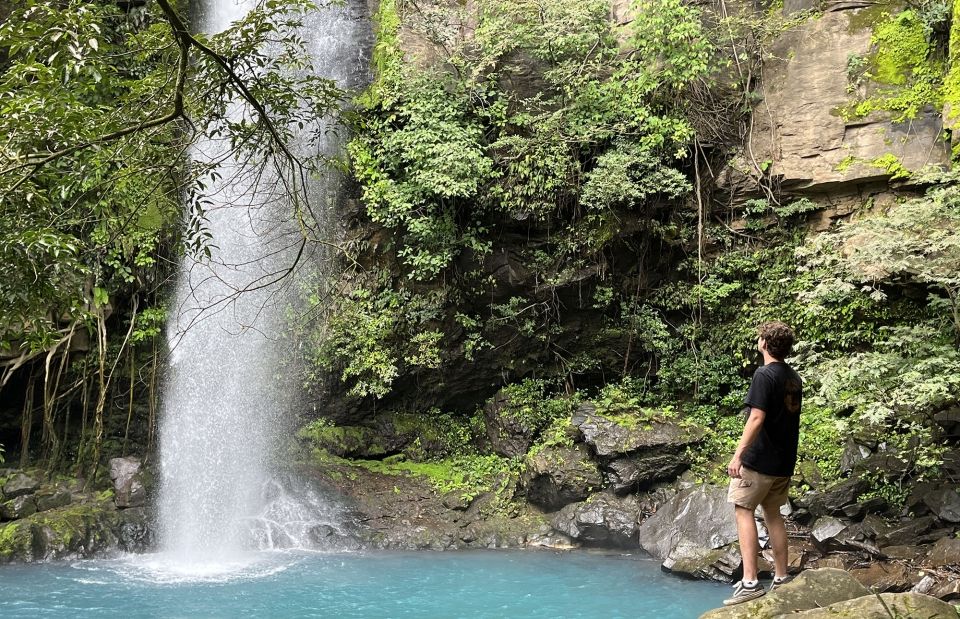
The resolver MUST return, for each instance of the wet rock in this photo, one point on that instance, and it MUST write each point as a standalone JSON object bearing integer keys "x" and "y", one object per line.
{"x": 127, "y": 483}
{"x": 20, "y": 507}
{"x": 688, "y": 526}
{"x": 80, "y": 530}
{"x": 602, "y": 520}
{"x": 134, "y": 533}
{"x": 19, "y": 485}
{"x": 53, "y": 499}
{"x": 557, "y": 476}
{"x": 945, "y": 552}
{"x": 809, "y": 590}
{"x": 632, "y": 474}
{"x": 694, "y": 561}
{"x": 625, "y": 434}
{"x": 886, "y": 576}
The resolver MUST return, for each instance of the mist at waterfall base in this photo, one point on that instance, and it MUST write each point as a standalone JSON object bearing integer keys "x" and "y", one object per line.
{"x": 425, "y": 584}
{"x": 231, "y": 389}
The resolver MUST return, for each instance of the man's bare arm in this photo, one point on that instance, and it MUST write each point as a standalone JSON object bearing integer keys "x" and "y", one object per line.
{"x": 750, "y": 432}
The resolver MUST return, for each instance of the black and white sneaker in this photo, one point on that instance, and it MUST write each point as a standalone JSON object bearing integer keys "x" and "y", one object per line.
{"x": 778, "y": 582}
{"x": 743, "y": 593}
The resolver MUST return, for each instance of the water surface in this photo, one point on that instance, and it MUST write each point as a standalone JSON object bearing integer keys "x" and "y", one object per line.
{"x": 369, "y": 585}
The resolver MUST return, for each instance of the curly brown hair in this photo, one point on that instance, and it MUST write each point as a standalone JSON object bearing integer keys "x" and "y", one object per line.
{"x": 778, "y": 337}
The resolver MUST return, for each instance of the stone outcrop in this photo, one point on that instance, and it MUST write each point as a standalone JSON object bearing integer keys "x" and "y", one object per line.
{"x": 510, "y": 434}
{"x": 635, "y": 450}
{"x": 798, "y": 131}
{"x": 692, "y": 533}
{"x": 603, "y": 520}
{"x": 559, "y": 475}
{"x": 128, "y": 485}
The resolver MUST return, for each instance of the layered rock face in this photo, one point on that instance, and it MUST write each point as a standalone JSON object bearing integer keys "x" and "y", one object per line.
{"x": 44, "y": 520}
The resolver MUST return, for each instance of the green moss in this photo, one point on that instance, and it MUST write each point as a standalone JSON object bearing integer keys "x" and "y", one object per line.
{"x": 387, "y": 56}
{"x": 908, "y": 74}
{"x": 16, "y": 539}
{"x": 341, "y": 439}
{"x": 902, "y": 46}
{"x": 892, "y": 165}
{"x": 470, "y": 476}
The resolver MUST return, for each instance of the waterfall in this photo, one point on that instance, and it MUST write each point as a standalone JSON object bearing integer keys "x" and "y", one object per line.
{"x": 230, "y": 388}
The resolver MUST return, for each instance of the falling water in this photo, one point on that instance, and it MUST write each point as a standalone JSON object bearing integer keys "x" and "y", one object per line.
{"x": 229, "y": 388}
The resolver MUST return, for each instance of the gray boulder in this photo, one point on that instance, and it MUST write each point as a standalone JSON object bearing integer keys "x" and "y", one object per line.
{"x": 19, "y": 485}
{"x": 614, "y": 436}
{"x": 811, "y": 589}
{"x": 946, "y": 552}
{"x": 692, "y": 533}
{"x": 53, "y": 499}
{"x": 944, "y": 503}
{"x": 601, "y": 520}
{"x": 558, "y": 475}
{"x": 832, "y": 501}
{"x": 127, "y": 482}
{"x": 17, "y": 508}
{"x": 638, "y": 472}
{"x": 511, "y": 429}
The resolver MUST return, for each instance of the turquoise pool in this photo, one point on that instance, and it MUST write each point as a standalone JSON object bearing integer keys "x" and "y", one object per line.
{"x": 371, "y": 585}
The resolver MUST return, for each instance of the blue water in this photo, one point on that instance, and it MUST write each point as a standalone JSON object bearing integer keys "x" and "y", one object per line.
{"x": 375, "y": 585}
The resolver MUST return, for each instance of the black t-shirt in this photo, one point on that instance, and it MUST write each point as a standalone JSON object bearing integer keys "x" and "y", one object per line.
{"x": 776, "y": 390}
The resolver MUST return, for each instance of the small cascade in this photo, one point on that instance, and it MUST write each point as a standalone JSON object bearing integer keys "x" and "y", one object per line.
{"x": 231, "y": 386}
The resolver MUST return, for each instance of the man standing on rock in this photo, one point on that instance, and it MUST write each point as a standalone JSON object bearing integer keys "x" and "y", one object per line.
{"x": 761, "y": 468}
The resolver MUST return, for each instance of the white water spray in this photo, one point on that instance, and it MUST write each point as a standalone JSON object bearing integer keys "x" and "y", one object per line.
{"x": 229, "y": 386}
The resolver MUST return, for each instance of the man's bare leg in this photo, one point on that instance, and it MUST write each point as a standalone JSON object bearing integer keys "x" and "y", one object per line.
{"x": 778, "y": 538}
{"x": 749, "y": 543}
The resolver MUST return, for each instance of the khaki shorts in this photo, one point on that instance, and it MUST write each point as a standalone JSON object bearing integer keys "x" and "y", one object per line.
{"x": 754, "y": 488}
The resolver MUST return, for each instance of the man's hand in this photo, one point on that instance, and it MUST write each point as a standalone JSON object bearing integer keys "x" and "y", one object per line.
{"x": 733, "y": 469}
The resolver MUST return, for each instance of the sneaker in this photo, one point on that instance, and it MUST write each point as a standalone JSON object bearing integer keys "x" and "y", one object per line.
{"x": 743, "y": 593}
{"x": 778, "y": 582}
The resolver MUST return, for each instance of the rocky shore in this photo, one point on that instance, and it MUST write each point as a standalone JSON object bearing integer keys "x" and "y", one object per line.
{"x": 604, "y": 482}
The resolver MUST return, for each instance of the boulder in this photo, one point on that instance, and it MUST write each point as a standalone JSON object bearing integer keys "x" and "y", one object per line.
{"x": 558, "y": 475}
{"x": 20, "y": 507}
{"x": 907, "y": 532}
{"x": 511, "y": 432}
{"x": 832, "y": 501}
{"x": 809, "y": 590}
{"x": 52, "y": 499}
{"x": 944, "y": 503}
{"x": 949, "y": 590}
{"x": 127, "y": 482}
{"x": 886, "y": 576}
{"x": 904, "y": 553}
{"x": 602, "y": 520}
{"x": 686, "y": 530}
{"x": 19, "y": 485}
{"x": 692, "y": 560}
{"x": 892, "y": 605}
{"x": 853, "y": 453}
{"x": 638, "y": 472}
{"x": 624, "y": 434}
{"x": 825, "y": 531}
{"x": 945, "y": 552}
